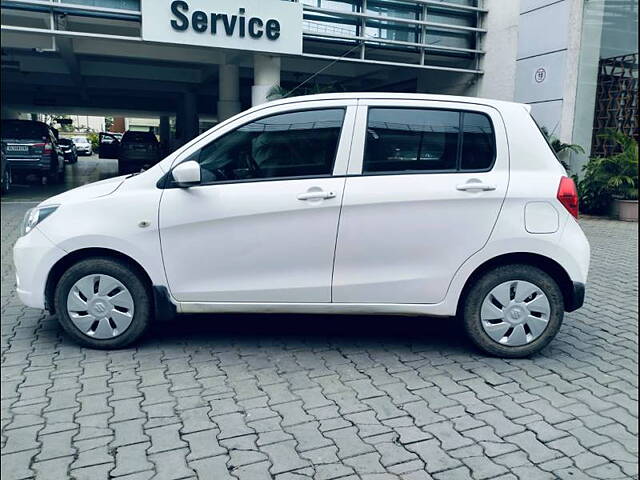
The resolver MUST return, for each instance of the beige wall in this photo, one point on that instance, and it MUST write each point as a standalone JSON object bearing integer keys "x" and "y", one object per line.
{"x": 501, "y": 46}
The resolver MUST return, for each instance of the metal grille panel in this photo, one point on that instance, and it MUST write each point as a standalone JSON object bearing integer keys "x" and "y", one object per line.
{"x": 616, "y": 101}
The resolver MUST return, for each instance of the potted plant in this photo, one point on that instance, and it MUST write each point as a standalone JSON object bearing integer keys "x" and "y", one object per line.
{"x": 610, "y": 184}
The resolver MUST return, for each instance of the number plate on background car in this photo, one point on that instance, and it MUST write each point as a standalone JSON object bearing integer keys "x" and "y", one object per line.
{"x": 17, "y": 148}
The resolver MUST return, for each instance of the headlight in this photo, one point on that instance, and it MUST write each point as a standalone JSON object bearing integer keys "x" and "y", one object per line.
{"x": 34, "y": 216}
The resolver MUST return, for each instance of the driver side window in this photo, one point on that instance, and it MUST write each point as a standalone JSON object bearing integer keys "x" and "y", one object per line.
{"x": 296, "y": 144}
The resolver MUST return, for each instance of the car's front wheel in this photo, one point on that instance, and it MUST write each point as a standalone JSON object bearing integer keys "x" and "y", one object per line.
{"x": 513, "y": 311}
{"x": 103, "y": 303}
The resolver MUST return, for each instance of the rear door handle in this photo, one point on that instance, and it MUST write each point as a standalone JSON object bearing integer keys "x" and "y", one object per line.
{"x": 316, "y": 195}
{"x": 483, "y": 187}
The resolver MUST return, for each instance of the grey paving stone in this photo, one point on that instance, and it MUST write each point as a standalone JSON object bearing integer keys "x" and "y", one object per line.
{"x": 536, "y": 450}
{"x": 435, "y": 459}
{"x": 16, "y": 466}
{"x": 131, "y": 459}
{"x": 203, "y": 444}
{"x": 348, "y": 442}
{"x": 284, "y": 457}
{"x": 355, "y": 408}
{"x": 171, "y": 465}
{"x": 53, "y": 468}
{"x": 212, "y": 467}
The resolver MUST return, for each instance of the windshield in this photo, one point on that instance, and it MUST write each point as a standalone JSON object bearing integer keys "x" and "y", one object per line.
{"x": 80, "y": 140}
{"x": 24, "y": 130}
{"x": 139, "y": 137}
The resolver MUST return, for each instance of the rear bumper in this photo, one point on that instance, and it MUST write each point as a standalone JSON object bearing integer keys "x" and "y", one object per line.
{"x": 18, "y": 165}
{"x": 576, "y": 298}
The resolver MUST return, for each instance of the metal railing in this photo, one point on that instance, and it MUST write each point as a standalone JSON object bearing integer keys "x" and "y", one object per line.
{"x": 326, "y": 31}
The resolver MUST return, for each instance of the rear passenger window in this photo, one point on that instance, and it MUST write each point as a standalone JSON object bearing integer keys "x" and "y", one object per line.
{"x": 478, "y": 146}
{"x": 405, "y": 140}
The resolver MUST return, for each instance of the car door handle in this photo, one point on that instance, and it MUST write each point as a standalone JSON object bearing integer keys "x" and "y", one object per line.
{"x": 316, "y": 195}
{"x": 476, "y": 186}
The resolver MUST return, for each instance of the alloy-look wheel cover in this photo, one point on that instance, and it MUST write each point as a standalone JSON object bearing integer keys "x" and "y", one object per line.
{"x": 515, "y": 313}
{"x": 100, "y": 306}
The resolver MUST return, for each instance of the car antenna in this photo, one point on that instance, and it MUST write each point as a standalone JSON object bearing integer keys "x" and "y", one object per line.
{"x": 310, "y": 77}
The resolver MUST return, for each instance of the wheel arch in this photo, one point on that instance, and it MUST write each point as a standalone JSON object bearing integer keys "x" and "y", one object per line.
{"x": 546, "y": 264}
{"x": 74, "y": 257}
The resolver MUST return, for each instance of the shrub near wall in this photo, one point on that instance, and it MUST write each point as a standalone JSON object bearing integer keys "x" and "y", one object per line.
{"x": 608, "y": 178}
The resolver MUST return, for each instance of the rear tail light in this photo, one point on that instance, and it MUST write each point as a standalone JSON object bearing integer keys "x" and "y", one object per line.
{"x": 46, "y": 147}
{"x": 568, "y": 195}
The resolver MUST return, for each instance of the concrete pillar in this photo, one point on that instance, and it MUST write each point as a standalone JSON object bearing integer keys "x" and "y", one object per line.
{"x": 228, "y": 91}
{"x": 190, "y": 122}
{"x": 165, "y": 135}
{"x": 266, "y": 74}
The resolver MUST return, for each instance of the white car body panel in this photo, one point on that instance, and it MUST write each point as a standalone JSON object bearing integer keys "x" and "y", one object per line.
{"x": 395, "y": 242}
{"x": 217, "y": 247}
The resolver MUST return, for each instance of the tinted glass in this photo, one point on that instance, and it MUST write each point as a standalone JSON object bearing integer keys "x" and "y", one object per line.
{"x": 404, "y": 139}
{"x": 23, "y": 130}
{"x": 139, "y": 137}
{"x": 65, "y": 141}
{"x": 478, "y": 145}
{"x": 298, "y": 144}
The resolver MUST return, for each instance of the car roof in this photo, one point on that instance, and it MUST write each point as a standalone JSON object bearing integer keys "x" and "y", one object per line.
{"x": 18, "y": 120}
{"x": 393, "y": 96}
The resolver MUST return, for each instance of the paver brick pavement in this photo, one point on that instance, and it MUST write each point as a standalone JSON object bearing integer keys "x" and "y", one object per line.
{"x": 292, "y": 397}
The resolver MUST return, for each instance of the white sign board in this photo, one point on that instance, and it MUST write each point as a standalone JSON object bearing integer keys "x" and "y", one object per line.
{"x": 270, "y": 26}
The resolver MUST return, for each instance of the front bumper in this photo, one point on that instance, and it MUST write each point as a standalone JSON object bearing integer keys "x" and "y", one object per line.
{"x": 33, "y": 257}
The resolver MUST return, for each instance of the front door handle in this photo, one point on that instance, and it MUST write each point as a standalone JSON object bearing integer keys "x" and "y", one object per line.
{"x": 483, "y": 187}
{"x": 320, "y": 195}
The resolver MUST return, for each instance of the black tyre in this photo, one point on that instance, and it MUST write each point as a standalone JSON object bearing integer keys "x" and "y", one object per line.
{"x": 103, "y": 303}
{"x": 56, "y": 176}
{"x": 513, "y": 311}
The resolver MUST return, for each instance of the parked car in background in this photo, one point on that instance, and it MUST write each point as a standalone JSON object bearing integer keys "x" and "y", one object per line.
{"x": 5, "y": 170}
{"x": 69, "y": 150}
{"x": 83, "y": 145}
{"x": 360, "y": 203}
{"x": 135, "y": 151}
{"x": 32, "y": 148}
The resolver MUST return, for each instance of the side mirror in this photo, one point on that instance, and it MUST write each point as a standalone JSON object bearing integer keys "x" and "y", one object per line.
{"x": 187, "y": 174}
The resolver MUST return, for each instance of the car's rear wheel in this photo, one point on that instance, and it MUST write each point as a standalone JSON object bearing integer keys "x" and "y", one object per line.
{"x": 513, "y": 311}
{"x": 56, "y": 176}
{"x": 103, "y": 303}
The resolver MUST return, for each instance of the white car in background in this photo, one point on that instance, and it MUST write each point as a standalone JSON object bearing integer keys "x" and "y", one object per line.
{"x": 360, "y": 203}
{"x": 83, "y": 145}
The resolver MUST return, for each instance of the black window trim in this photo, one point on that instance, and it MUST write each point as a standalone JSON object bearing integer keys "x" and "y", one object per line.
{"x": 166, "y": 181}
{"x": 458, "y": 168}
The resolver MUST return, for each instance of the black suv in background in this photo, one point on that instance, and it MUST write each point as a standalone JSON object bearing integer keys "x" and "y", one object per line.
{"x": 32, "y": 148}
{"x": 135, "y": 151}
{"x": 69, "y": 150}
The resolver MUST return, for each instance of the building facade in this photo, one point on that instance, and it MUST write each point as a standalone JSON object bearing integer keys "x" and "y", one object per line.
{"x": 201, "y": 61}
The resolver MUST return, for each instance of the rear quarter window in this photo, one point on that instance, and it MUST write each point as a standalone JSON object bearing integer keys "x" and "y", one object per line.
{"x": 423, "y": 140}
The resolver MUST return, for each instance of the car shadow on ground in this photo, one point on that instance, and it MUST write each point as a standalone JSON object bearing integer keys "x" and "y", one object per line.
{"x": 288, "y": 330}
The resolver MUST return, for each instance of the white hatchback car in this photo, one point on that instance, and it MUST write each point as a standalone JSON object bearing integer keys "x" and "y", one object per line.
{"x": 345, "y": 203}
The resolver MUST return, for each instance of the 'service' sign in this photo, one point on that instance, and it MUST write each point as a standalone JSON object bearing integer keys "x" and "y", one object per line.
{"x": 269, "y": 26}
